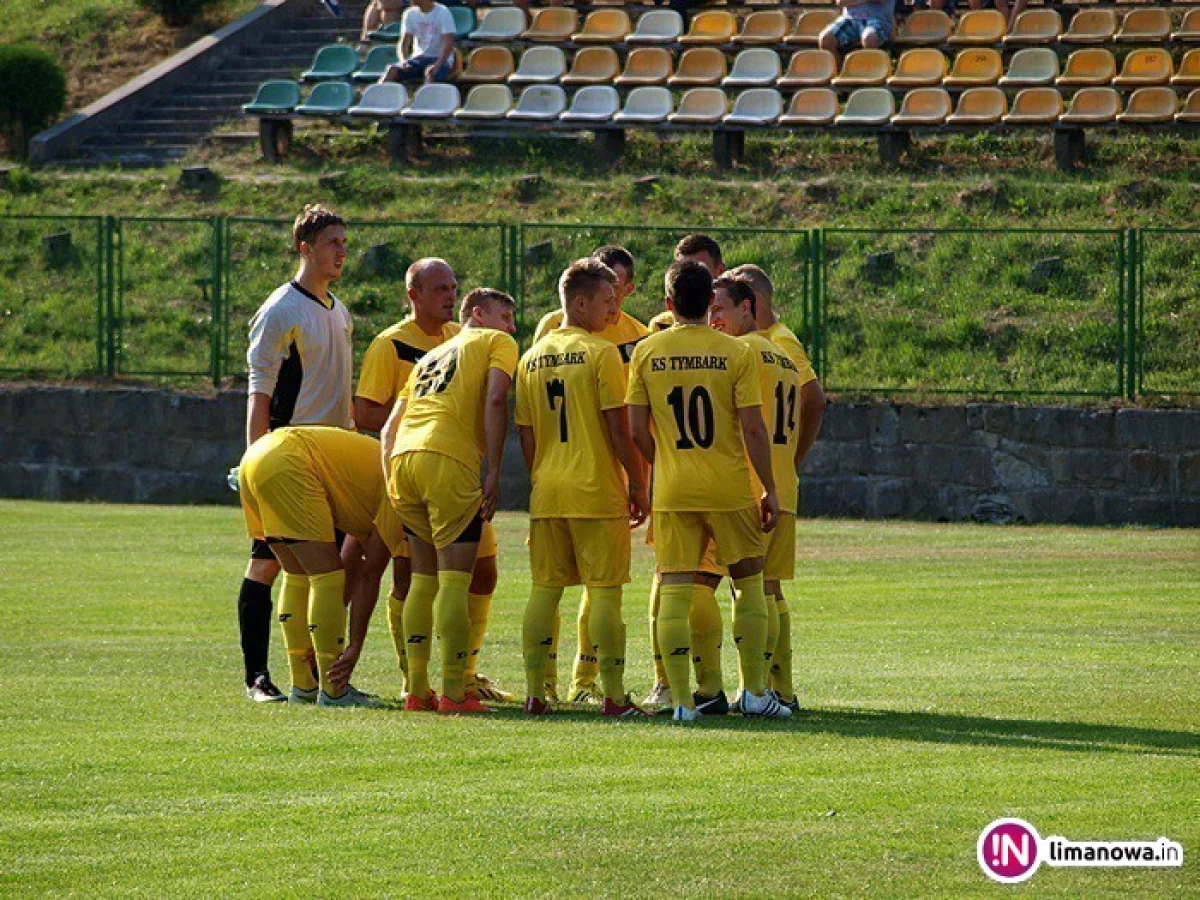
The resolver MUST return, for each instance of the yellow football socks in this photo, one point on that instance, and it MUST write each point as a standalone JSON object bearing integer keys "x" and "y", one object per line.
{"x": 551, "y": 675}
{"x": 537, "y": 636}
{"x": 327, "y": 622}
{"x": 660, "y": 673}
{"x": 781, "y": 663}
{"x": 750, "y": 631}
{"x": 450, "y": 612}
{"x": 293, "y": 621}
{"x": 772, "y": 629}
{"x": 609, "y": 635}
{"x": 479, "y": 608}
{"x": 675, "y": 638}
{"x": 396, "y": 627}
{"x": 418, "y": 631}
{"x": 705, "y": 622}
{"x": 587, "y": 665}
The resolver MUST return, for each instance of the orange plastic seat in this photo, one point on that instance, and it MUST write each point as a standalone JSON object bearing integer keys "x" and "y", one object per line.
{"x": 1091, "y": 26}
{"x": 1144, "y": 68}
{"x": 711, "y": 27}
{"x": 975, "y": 68}
{"x": 1035, "y": 106}
{"x": 763, "y": 27}
{"x": 1092, "y": 106}
{"x": 923, "y": 67}
{"x": 812, "y": 106}
{"x": 1189, "y": 28}
{"x": 699, "y": 67}
{"x": 554, "y": 24}
{"x": 923, "y": 27}
{"x": 487, "y": 65}
{"x": 923, "y": 107}
{"x": 810, "y": 24}
{"x": 1149, "y": 105}
{"x": 645, "y": 65}
{"x": 593, "y": 65}
{"x": 1189, "y": 70}
{"x": 979, "y": 106}
{"x": 700, "y": 106}
{"x": 864, "y": 68}
{"x": 604, "y": 26}
{"x": 1035, "y": 26}
{"x": 1145, "y": 26}
{"x": 1088, "y": 68}
{"x": 979, "y": 27}
{"x": 1191, "y": 108}
{"x": 809, "y": 68}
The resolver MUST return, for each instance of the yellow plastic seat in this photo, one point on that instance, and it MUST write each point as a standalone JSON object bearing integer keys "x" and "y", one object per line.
{"x": 1035, "y": 106}
{"x": 604, "y": 26}
{"x": 763, "y": 27}
{"x": 1189, "y": 28}
{"x": 979, "y": 106}
{"x": 867, "y": 108}
{"x": 812, "y": 106}
{"x": 923, "y": 107}
{"x": 809, "y": 68}
{"x": 1092, "y": 106}
{"x": 975, "y": 68}
{"x": 1145, "y": 26}
{"x": 1035, "y": 26}
{"x": 756, "y": 67}
{"x": 488, "y": 65}
{"x": 1191, "y": 108}
{"x": 593, "y": 65}
{"x": 540, "y": 65}
{"x": 1091, "y": 26}
{"x": 1189, "y": 70}
{"x": 701, "y": 106}
{"x": 864, "y": 68}
{"x": 553, "y": 25}
{"x": 500, "y": 23}
{"x": 1150, "y": 104}
{"x": 810, "y": 24}
{"x": 657, "y": 26}
{"x": 486, "y": 101}
{"x": 645, "y": 66}
{"x": 923, "y": 67}
{"x": 1144, "y": 68}
{"x": 923, "y": 27}
{"x": 1088, "y": 68}
{"x": 699, "y": 67}
{"x": 711, "y": 27}
{"x": 1031, "y": 67}
{"x": 979, "y": 27}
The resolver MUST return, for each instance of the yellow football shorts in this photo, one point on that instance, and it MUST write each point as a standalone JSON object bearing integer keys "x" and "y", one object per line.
{"x": 391, "y": 529}
{"x": 680, "y": 538}
{"x": 566, "y": 552}
{"x": 435, "y": 496}
{"x": 282, "y": 497}
{"x": 780, "y": 563}
{"x": 708, "y": 562}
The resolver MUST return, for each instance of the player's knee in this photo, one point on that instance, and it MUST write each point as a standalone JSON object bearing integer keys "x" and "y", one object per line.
{"x": 484, "y": 576}
{"x": 264, "y": 571}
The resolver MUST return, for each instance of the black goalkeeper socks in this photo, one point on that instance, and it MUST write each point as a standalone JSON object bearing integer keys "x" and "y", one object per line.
{"x": 254, "y": 620}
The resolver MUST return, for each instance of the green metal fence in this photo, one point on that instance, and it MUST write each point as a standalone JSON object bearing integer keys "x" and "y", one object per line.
{"x": 1165, "y": 278}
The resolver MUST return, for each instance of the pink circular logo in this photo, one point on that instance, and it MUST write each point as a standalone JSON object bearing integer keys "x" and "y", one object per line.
{"x": 1009, "y": 850}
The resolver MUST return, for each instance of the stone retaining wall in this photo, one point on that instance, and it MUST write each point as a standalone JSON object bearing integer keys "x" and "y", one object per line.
{"x": 983, "y": 461}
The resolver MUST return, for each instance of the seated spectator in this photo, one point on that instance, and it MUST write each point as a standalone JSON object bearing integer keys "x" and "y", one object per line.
{"x": 863, "y": 23}
{"x": 378, "y": 14}
{"x": 1010, "y": 9}
{"x": 426, "y": 44}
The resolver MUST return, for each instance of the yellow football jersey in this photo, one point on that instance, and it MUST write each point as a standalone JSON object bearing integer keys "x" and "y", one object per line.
{"x": 780, "y": 383}
{"x": 662, "y": 321}
{"x": 695, "y": 380}
{"x": 445, "y": 395}
{"x": 625, "y": 334}
{"x": 390, "y": 358}
{"x": 783, "y": 336}
{"x": 564, "y": 382}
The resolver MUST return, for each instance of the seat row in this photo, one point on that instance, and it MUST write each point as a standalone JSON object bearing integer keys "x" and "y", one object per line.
{"x": 601, "y": 104}
{"x": 761, "y": 67}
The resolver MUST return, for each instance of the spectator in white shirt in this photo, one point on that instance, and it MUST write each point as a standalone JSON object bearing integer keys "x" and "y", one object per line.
{"x": 426, "y": 44}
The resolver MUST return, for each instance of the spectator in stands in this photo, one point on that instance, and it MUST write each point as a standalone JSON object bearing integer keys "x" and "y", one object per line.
{"x": 863, "y": 23}
{"x": 378, "y": 14}
{"x": 426, "y": 44}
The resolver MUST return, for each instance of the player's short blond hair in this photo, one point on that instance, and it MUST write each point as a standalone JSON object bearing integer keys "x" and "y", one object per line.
{"x": 311, "y": 222}
{"x": 582, "y": 277}
{"x": 482, "y": 298}
{"x": 759, "y": 280}
{"x": 412, "y": 275}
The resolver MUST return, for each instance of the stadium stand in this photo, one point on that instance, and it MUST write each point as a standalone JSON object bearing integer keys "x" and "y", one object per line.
{"x": 594, "y": 65}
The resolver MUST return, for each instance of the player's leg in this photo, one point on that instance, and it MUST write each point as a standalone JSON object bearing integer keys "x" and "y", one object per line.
{"x": 660, "y": 695}
{"x": 707, "y": 629}
{"x": 770, "y": 594}
{"x": 781, "y": 664}
{"x": 552, "y": 567}
{"x": 484, "y": 577}
{"x": 780, "y": 566}
{"x": 293, "y": 623}
{"x": 587, "y": 665}
{"x": 401, "y": 582}
{"x": 451, "y": 617}
{"x": 418, "y": 624}
{"x": 550, "y": 687}
{"x": 254, "y": 622}
{"x": 322, "y": 564}
{"x": 679, "y": 540}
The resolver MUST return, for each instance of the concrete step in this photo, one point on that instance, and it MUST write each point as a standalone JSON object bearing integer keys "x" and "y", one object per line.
{"x": 174, "y": 109}
{"x": 175, "y": 137}
{"x": 152, "y": 129}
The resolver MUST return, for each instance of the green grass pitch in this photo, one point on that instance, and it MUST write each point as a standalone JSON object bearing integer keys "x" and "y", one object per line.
{"x": 951, "y": 675}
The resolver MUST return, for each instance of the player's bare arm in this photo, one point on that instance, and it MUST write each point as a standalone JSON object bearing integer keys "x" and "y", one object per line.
{"x": 364, "y": 593}
{"x": 812, "y": 414}
{"x": 387, "y": 436}
{"x": 617, "y": 421}
{"x": 258, "y": 417}
{"x": 528, "y": 445}
{"x": 495, "y": 428}
{"x": 639, "y": 427}
{"x": 754, "y": 433}
{"x": 369, "y": 415}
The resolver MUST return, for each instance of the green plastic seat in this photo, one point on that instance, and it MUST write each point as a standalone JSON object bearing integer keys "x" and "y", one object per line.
{"x": 279, "y": 97}
{"x": 329, "y": 98}
{"x": 332, "y": 62}
{"x": 388, "y": 32}
{"x": 464, "y": 20}
{"x": 376, "y": 64}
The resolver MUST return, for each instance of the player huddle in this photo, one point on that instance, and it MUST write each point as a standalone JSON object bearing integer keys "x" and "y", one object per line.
{"x": 698, "y": 423}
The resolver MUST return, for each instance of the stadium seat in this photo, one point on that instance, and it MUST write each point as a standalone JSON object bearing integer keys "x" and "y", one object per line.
{"x": 593, "y": 65}
{"x": 594, "y": 103}
{"x": 810, "y": 24}
{"x": 700, "y": 106}
{"x": 1092, "y": 106}
{"x": 1035, "y": 106}
{"x": 381, "y": 100}
{"x": 868, "y": 107}
{"x": 488, "y": 65}
{"x": 711, "y": 27}
{"x": 809, "y": 68}
{"x": 376, "y": 63}
{"x": 923, "y": 67}
{"x": 464, "y": 20}
{"x": 645, "y": 106}
{"x": 923, "y": 107}
{"x": 539, "y": 65}
{"x": 756, "y": 67}
{"x": 501, "y": 23}
{"x": 1189, "y": 70}
{"x": 1143, "y": 68}
{"x": 329, "y": 98}
{"x": 332, "y": 62}
{"x": 540, "y": 103}
{"x": 923, "y": 27}
{"x": 604, "y": 26}
{"x": 657, "y": 26}
{"x": 975, "y": 68}
{"x": 1145, "y": 26}
{"x": 1150, "y": 104}
{"x": 1031, "y": 67}
{"x": 388, "y": 32}
{"x": 1191, "y": 108}
{"x": 433, "y": 101}
{"x": 276, "y": 97}
{"x": 755, "y": 107}
{"x": 1090, "y": 67}
{"x": 698, "y": 67}
{"x": 1035, "y": 26}
{"x": 979, "y": 106}
{"x": 979, "y": 27}
{"x": 553, "y": 25}
{"x": 645, "y": 66}
{"x": 763, "y": 27}
{"x": 812, "y": 106}
{"x": 863, "y": 68}
{"x": 1091, "y": 26}
{"x": 1189, "y": 28}
{"x": 486, "y": 101}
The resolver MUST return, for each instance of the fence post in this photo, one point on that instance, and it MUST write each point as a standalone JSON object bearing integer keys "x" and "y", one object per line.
{"x": 101, "y": 323}
{"x": 818, "y": 303}
{"x": 110, "y": 334}
{"x": 517, "y": 259}
{"x": 1132, "y": 262}
{"x": 215, "y": 328}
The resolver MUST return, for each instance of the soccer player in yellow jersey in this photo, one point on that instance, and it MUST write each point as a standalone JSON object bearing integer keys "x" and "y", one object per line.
{"x": 700, "y": 390}
{"x": 811, "y": 413}
{"x": 433, "y": 298}
{"x": 451, "y": 416}
{"x": 574, "y": 434}
{"x": 298, "y": 484}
